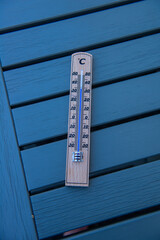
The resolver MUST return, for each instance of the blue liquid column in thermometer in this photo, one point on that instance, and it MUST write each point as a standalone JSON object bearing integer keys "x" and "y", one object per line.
{"x": 78, "y": 154}
{"x": 78, "y": 142}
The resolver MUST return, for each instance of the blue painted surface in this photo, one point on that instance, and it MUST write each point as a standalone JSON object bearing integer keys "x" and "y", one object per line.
{"x": 115, "y": 147}
{"x": 110, "y": 63}
{"x": 26, "y": 11}
{"x": 15, "y": 211}
{"x": 110, "y": 148}
{"x": 121, "y": 100}
{"x": 95, "y": 28}
{"x": 108, "y": 196}
{"x": 145, "y": 227}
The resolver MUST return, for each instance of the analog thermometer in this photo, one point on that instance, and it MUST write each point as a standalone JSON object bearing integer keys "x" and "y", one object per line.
{"x": 78, "y": 142}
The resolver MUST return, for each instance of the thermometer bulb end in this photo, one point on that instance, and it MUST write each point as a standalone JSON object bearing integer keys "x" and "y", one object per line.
{"x": 77, "y": 156}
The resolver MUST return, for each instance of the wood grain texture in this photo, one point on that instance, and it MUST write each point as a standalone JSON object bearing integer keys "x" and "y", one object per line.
{"x": 77, "y": 169}
{"x": 110, "y": 148}
{"x": 95, "y": 28}
{"x": 108, "y": 196}
{"x": 25, "y": 12}
{"x": 52, "y": 77}
{"x": 16, "y": 215}
{"x": 141, "y": 228}
{"x": 124, "y": 99}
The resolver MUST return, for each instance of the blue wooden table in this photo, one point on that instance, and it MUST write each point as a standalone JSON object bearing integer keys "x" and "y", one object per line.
{"x": 36, "y": 43}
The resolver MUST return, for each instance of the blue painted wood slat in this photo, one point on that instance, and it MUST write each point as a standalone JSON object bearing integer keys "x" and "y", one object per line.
{"x": 108, "y": 196}
{"x": 27, "y": 12}
{"x": 110, "y": 148}
{"x": 103, "y": 26}
{"x": 113, "y": 62}
{"x": 124, "y": 99}
{"x": 16, "y": 215}
{"x": 141, "y": 228}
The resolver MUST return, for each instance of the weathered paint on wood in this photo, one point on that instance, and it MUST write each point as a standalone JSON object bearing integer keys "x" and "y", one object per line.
{"x": 108, "y": 196}
{"x": 110, "y": 147}
{"x": 16, "y": 215}
{"x": 124, "y": 99}
{"x": 112, "y": 62}
{"x": 29, "y": 12}
{"x": 140, "y": 228}
{"x": 103, "y": 26}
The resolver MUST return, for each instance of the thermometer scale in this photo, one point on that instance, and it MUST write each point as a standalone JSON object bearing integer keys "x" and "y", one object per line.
{"x": 78, "y": 142}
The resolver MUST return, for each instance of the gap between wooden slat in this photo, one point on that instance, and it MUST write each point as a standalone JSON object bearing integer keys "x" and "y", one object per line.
{"x": 96, "y": 85}
{"x": 106, "y": 171}
{"x": 93, "y": 128}
{"x": 66, "y": 16}
{"x": 108, "y": 197}
{"x": 86, "y": 48}
{"x": 109, "y": 222}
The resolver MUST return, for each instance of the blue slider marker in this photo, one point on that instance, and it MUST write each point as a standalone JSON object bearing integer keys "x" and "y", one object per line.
{"x": 80, "y": 106}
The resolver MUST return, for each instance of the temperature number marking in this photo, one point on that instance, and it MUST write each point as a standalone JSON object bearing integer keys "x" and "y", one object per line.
{"x": 74, "y": 73}
{"x": 73, "y": 108}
